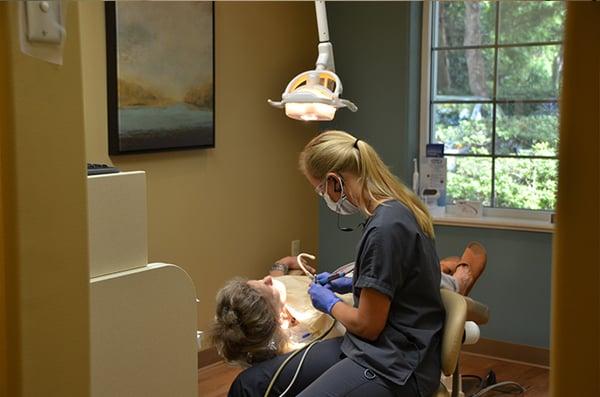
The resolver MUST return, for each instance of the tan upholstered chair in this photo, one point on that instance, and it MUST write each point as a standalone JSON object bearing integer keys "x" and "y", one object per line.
{"x": 459, "y": 309}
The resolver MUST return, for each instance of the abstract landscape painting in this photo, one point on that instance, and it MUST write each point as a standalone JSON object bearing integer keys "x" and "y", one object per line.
{"x": 160, "y": 75}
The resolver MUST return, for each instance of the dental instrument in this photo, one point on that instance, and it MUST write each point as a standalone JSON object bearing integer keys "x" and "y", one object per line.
{"x": 301, "y": 264}
{"x": 332, "y": 277}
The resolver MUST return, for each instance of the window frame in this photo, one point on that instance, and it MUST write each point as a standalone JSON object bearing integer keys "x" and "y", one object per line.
{"x": 493, "y": 217}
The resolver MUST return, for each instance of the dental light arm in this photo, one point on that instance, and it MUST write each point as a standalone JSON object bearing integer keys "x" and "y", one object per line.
{"x": 315, "y": 94}
{"x": 321, "y": 12}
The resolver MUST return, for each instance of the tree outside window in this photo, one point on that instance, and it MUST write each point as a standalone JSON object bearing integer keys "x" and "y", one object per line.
{"x": 495, "y": 79}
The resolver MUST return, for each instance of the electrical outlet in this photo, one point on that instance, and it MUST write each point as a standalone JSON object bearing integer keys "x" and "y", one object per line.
{"x": 295, "y": 247}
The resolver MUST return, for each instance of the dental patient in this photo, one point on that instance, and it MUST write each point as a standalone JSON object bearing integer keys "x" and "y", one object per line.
{"x": 259, "y": 319}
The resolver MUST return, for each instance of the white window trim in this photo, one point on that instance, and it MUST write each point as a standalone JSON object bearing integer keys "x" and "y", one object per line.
{"x": 493, "y": 218}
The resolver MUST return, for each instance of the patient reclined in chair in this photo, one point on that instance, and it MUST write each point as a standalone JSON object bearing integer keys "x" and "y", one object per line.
{"x": 259, "y": 319}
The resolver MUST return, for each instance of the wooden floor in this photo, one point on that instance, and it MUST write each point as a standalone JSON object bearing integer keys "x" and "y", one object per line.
{"x": 214, "y": 380}
{"x": 534, "y": 379}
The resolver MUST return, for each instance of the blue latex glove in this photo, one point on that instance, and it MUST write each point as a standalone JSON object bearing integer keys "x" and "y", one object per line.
{"x": 322, "y": 277}
{"x": 341, "y": 285}
{"x": 322, "y": 298}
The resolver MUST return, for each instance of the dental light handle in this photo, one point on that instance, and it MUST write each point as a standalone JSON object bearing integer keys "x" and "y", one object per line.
{"x": 325, "y": 57}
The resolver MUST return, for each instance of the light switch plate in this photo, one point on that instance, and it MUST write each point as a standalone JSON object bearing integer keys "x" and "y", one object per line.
{"x": 44, "y": 21}
{"x": 295, "y": 247}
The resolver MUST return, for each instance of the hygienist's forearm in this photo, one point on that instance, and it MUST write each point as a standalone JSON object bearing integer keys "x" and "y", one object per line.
{"x": 369, "y": 319}
{"x": 350, "y": 318}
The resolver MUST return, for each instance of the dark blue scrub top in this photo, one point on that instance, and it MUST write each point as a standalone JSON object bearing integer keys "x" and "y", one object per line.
{"x": 396, "y": 258}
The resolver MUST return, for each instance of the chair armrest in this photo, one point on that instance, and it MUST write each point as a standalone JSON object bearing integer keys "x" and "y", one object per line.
{"x": 454, "y": 328}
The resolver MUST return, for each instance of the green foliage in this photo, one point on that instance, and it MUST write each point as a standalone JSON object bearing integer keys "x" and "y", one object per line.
{"x": 526, "y": 183}
{"x": 522, "y": 129}
{"x": 470, "y": 178}
{"x": 529, "y": 72}
{"x": 534, "y": 135}
{"x": 460, "y": 131}
{"x": 467, "y": 129}
{"x": 452, "y": 16}
{"x": 531, "y": 21}
{"x": 520, "y": 183}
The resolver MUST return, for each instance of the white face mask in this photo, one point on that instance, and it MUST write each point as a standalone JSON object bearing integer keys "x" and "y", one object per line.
{"x": 343, "y": 206}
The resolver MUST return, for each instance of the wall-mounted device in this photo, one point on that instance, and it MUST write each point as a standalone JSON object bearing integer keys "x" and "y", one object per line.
{"x": 433, "y": 177}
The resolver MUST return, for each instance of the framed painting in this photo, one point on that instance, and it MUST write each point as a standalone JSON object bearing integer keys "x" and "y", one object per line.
{"x": 160, "y": 75}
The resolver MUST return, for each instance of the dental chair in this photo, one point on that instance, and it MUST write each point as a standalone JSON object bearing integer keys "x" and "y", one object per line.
{"x": 463, "y": 315}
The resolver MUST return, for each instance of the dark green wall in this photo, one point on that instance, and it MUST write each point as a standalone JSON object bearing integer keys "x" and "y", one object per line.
{"x": 377, "y": 55}
{"x": 372, "y": 43}
{"x": 515, "y": 284}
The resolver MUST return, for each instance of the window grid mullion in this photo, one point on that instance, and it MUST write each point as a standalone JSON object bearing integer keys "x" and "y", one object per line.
{"x": 433, "y": 67}
{"x": 494, "y": 101}
{"x": 490, "y": 101}
{"x": 502, "y": 156}
{"x": 494, "y": 105}
{"x": 497, "y": 45}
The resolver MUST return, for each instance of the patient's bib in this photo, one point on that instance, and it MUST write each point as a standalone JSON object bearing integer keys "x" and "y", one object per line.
{"x": 311, "y": 322}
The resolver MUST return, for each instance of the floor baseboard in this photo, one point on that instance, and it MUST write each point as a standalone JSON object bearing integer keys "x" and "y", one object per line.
{"x": 510, "y": 351}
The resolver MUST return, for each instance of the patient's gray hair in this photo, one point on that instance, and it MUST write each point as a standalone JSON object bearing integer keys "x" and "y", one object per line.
{"x": 246, "y": 328}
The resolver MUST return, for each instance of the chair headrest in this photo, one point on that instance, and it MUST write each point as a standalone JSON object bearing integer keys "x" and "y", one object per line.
{"x": 477, "y": 311}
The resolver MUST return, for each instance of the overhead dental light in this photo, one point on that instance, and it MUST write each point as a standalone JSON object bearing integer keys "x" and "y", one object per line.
{"x": 315, "y": 94}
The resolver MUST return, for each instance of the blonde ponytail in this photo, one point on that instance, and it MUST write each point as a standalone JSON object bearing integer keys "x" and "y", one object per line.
{"x": 338, "y": 151}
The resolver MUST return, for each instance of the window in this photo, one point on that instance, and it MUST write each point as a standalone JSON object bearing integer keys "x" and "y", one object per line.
{"x": 493, "y": 71}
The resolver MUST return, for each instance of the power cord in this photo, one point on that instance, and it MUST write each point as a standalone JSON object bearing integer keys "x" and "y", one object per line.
{"x": 288, "y": 359}
{"x": 519, "y": 389}
{"x": 472, "y": 383}
{"x": 298, "y": 369}
{"x": 490, "y": 383}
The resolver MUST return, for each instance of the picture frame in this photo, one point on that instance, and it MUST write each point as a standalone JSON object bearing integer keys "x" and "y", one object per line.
{"x": 160, "y": 76}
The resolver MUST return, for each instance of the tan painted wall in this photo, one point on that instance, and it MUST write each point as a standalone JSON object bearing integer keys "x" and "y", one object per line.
{"x": 4, "y": 126}
{"x": 44, "y": 204}
{"x": 575, "y": 348}
{"x": 234, "y": 209}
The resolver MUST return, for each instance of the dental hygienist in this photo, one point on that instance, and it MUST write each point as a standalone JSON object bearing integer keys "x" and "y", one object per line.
{"x": 393, "y": 341}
